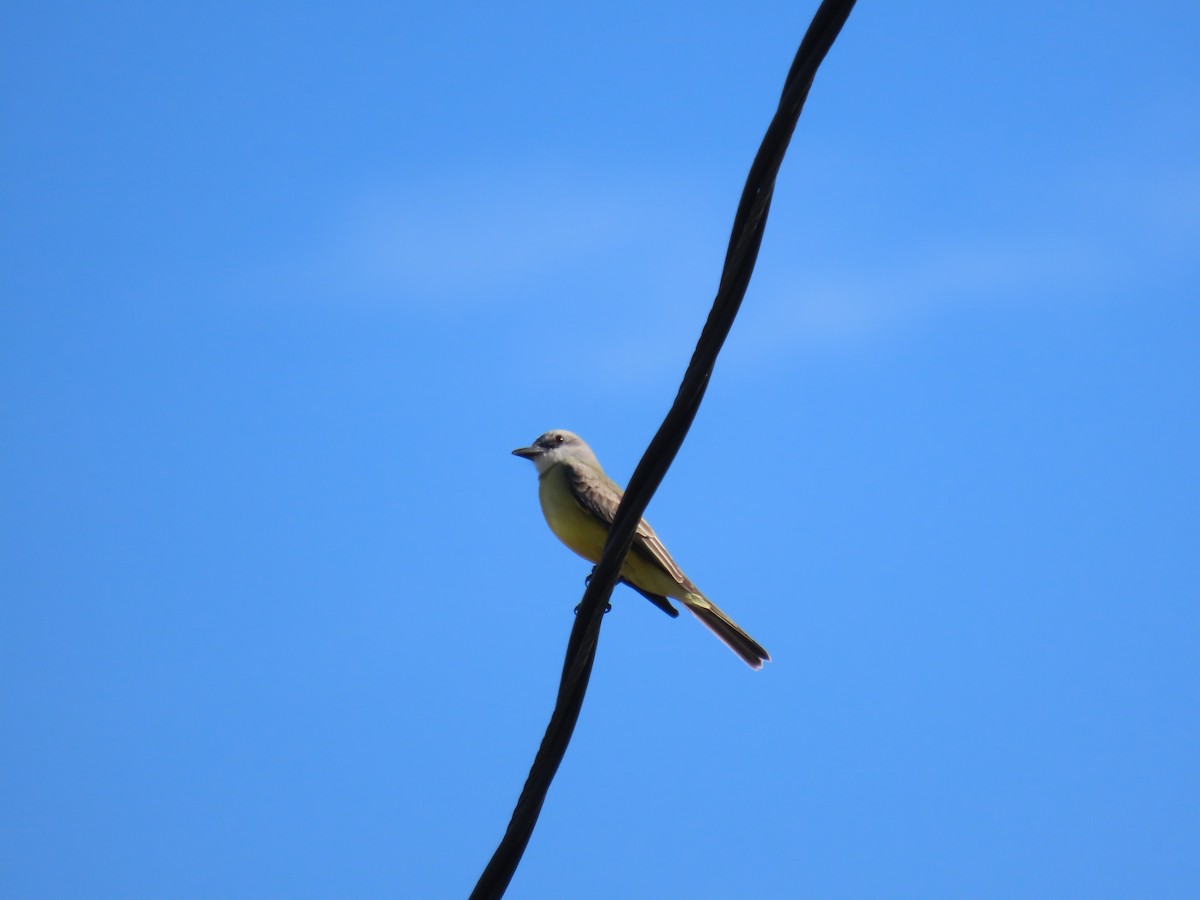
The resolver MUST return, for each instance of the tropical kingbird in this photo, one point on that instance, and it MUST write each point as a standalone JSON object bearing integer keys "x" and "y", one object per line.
{"x": 579, "y": 502}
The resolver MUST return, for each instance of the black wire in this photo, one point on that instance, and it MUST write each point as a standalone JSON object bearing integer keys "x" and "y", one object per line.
{"x": 748, "y": 226}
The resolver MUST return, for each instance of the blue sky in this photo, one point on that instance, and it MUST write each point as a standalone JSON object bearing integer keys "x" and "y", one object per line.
{"x": 284, "y": 284}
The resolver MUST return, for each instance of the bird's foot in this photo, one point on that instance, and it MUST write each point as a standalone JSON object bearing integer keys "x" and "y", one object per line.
{"x": 607, "y": 607}
{"x": 587, "y": 582}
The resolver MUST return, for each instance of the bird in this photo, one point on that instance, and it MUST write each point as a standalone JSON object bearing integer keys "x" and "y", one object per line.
{"x": 580, "y": 502}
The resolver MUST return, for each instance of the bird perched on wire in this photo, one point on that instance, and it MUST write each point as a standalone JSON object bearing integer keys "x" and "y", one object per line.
{"x": 580, "y": 502}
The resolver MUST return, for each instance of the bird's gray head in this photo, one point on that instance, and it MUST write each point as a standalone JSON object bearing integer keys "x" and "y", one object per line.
{"x": 556, "y": 446}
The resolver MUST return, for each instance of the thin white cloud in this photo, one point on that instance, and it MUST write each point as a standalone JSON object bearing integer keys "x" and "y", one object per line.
{"x": 449, "y": 242}
{"x": 535, "y": 232}
{"x": 1129, "y": 236}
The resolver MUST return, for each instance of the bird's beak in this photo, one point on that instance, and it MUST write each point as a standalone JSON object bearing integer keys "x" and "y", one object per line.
{"x": 526, "y": 452}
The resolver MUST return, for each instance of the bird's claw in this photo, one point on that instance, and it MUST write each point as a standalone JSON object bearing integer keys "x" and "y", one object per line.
{"x": 607, "y": 607}
{"x": 587, "y": 582}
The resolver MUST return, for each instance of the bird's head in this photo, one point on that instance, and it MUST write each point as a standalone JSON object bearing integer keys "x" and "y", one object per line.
{"x": 557, "y": 446}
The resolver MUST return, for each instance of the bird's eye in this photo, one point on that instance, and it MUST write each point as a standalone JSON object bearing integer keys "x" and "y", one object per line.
{"x": 559, "y": 438}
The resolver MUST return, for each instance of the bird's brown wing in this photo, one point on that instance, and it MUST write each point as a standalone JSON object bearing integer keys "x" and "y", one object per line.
{"x": 597, "y": 494}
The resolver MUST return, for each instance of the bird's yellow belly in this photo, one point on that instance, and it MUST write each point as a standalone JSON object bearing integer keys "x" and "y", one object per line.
{"x": 580, "y": 531}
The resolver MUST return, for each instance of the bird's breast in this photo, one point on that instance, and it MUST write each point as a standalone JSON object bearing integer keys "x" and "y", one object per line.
{"x": 570, "y": 522}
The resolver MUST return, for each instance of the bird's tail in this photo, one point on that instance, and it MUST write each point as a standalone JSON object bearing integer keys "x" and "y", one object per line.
{"x": 727, "y": 630}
